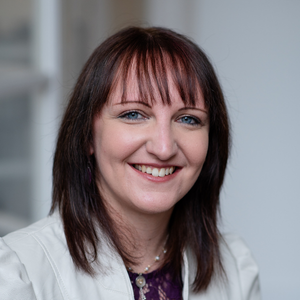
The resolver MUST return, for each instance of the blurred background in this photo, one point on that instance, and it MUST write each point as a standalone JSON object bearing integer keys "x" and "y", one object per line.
{"x": 255, "y": 48}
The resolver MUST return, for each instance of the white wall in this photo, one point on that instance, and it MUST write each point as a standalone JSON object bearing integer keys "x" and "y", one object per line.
{"x": 255, "y": 47}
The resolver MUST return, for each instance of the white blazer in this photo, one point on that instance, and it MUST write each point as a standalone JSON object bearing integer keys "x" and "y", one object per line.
{"x": 35, "y": 264}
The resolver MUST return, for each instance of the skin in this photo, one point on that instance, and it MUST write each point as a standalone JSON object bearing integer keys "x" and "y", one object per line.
{"x": 131, "y": 132}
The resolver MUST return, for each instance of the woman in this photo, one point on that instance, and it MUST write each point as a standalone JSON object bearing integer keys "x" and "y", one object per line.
{"x": 139, "y": 164}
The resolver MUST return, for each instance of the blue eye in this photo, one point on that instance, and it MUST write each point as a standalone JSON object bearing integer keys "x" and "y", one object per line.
{"x": 132, "y": 115}
{"x": 189, "y": 120}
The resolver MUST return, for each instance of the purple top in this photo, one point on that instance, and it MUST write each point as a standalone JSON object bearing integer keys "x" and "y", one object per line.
{"x": 159, "y": 285}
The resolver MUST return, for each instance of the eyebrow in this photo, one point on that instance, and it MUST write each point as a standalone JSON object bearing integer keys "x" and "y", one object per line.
{"x": 128, "y": 102}
{"x": 191, "y": 107}
{"x": 146, "y": 104}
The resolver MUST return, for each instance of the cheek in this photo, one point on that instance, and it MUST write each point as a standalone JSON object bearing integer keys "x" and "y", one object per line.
{"x": 120, "y": 144}
{"x": 114, "y": 144}
{"x": 196, "y": 155}
{"x": 196, "y": 151}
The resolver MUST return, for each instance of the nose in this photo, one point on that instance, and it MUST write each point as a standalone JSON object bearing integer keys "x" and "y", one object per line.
{"x": 161, "y": 142}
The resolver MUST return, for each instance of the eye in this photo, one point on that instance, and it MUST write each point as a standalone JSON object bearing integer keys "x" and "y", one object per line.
{"x": 132, "y": 115}
{"x": 189, "y": 120}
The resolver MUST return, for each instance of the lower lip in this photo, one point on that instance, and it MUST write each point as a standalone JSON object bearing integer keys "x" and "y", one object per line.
{"x": 157, "y": 179}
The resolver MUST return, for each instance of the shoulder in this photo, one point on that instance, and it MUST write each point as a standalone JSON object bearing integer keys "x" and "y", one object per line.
{"x": 27, "y": 251}
{"x": 14, "y": 281}
{"x": 242, "y": 275}
{"x": 36, "y": 264}
{"x": 50, "y": 227}
{"x": 36, "y": 242}
{"x": 241, "y": 269}
{"x": 239, "y": 263}
{"x": 235, "y": 252}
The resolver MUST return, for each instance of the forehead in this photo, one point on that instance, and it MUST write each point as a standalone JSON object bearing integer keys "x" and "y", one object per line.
{"x": 151, "y": 89}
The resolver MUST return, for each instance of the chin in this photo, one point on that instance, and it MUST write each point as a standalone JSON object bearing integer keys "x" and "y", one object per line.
{"x": 155, "y": 206}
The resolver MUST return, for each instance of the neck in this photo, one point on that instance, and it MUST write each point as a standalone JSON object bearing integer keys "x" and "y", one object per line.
{"x": 145, "y": 237}
{"x": 152, "y": 234}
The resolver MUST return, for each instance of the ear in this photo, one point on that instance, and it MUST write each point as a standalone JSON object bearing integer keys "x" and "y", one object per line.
{"x": 91, "y": 149}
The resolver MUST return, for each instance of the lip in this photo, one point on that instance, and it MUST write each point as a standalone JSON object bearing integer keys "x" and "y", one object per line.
{"x": 159, "y": 166}
{"x": 153, "y": 178}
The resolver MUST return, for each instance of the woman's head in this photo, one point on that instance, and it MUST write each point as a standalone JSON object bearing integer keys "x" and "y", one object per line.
{"x": 148, "y": 155}
{"x": 154, "y": 57}
{"x": 157, "y": 62}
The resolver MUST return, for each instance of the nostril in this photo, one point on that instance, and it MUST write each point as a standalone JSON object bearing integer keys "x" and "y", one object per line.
{"x": 162, "y": 150}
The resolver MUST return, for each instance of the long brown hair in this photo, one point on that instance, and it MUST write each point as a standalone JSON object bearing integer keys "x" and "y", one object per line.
{"x": 193, "y": 224}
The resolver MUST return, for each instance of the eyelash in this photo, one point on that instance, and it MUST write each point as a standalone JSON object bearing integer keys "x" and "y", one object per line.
{"x": 193, "y": 120}
{"x": 126, "y": 115}
{"x": 196, "y": 121}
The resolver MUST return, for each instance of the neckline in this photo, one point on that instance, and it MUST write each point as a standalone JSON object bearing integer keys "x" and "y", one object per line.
{"x": 162, "y": 270}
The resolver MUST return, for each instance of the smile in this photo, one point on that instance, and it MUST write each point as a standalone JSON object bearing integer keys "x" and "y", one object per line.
{"x": 156, "y": 172}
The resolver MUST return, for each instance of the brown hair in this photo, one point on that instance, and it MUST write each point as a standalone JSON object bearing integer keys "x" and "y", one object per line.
{"x": 154, "y": 51}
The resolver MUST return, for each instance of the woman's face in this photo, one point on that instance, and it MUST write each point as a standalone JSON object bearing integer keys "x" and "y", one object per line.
{"x": 148, "y": 156}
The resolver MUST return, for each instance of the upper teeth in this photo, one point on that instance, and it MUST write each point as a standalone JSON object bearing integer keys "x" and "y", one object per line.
{"x": 162, "y": 172}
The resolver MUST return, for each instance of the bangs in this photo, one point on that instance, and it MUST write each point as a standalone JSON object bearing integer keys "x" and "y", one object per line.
{"x": 154, "y": 64}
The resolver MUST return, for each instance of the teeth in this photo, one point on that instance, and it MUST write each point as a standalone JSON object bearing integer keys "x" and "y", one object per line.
{"x": 162, "y": 172}
{"x": 155, "y": 171}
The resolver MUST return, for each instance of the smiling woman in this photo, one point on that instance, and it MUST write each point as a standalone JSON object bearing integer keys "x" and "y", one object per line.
{"x": 139, "y": 164}
{"x": 153, "y": 138}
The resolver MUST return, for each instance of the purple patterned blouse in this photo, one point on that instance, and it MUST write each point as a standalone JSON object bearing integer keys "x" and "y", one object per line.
{"x": 159, "y": 285}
